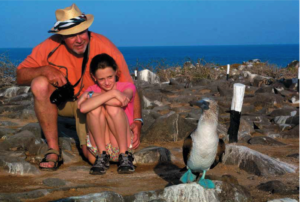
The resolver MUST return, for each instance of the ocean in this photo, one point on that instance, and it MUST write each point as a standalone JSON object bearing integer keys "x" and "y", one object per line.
{"x": 168, "y": 56}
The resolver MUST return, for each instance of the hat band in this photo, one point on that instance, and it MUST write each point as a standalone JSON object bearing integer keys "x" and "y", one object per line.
{"x": 61, "y": 25}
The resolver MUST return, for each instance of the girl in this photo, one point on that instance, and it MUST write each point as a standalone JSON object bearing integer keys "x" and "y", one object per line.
{"x": 109, "y": 108}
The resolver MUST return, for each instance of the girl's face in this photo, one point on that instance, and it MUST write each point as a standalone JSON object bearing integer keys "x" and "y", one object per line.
{"x": 105, "y": 78}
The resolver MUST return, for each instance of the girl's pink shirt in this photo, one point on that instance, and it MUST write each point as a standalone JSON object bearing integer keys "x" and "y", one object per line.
{"x": 121, "y": 86}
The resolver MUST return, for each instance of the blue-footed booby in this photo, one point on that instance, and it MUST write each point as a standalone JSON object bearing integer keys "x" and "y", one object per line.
{"x": 200, "y": 148}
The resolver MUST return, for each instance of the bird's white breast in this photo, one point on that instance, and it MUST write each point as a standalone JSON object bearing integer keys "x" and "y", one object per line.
{"x": 205, "y": 144}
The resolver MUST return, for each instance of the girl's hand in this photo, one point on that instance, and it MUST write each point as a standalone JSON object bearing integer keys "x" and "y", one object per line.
{"x": 122, "y": 98}
{"x": 82, "y": 98}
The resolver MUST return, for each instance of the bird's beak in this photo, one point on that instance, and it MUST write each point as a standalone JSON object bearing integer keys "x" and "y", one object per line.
{"x": 202, "y": 104}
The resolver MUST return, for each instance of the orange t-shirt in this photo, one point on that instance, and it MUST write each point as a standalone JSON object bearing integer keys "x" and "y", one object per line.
{"x": 62, "y": 57}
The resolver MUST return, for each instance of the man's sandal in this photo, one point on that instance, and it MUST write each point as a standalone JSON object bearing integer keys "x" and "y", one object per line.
{"x": 57, "y": 162}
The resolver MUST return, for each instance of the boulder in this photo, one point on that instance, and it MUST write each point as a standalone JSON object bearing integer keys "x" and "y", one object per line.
{"x": 276, "y": 187}
{"x": 255, "y": 162}
{"x": 148, "y": 76}
{"x": 152, "y": 155}
{"x": 283, "y": 200}
{"x": 195, "y": 192}
{"x": 168, "y": 128}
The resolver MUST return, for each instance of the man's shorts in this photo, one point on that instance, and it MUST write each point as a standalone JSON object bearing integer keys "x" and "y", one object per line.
{"x": 70, "y": 110}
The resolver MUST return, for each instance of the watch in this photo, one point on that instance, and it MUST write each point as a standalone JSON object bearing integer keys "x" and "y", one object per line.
{"x": 91, "y": 94}
{"x": 139, "y": 119}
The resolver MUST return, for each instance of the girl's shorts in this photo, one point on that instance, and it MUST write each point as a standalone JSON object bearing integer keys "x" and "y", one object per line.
{"x": 112, "y": 151}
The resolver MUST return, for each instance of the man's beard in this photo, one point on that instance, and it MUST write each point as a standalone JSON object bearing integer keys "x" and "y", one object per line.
{"x": 80, "y": 53}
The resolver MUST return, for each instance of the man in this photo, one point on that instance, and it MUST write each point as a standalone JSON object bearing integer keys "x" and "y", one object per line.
{"x": 59, "y": 59}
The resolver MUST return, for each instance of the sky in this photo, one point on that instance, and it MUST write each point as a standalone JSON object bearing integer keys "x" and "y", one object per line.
{"x": 24, "y": 24}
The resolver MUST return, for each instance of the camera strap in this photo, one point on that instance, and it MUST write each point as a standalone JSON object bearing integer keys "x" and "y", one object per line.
{"x": 83, "y": 67}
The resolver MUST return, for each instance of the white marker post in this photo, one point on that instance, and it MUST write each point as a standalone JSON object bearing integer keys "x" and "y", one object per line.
{"x": 228, "y": 70}
{"x": 135, "y": 74}
{"x": 298, "y": 78}
{"x": 235, "y": 113}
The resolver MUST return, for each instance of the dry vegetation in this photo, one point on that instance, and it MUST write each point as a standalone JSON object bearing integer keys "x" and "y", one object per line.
{"x": 202, "y": 70}
{"x": 7, "y": 68}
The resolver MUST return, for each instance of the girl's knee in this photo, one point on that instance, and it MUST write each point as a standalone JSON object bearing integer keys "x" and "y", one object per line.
{"x": 96, "y": 112}
{"x": 113, "y": 111}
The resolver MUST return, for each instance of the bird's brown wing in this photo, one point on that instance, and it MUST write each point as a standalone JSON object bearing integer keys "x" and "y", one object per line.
{"x": 186, "y": 148}
{"x": 220, "y": 153}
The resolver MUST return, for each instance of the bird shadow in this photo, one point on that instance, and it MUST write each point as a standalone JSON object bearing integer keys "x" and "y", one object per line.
{"x": 168, "y": 172}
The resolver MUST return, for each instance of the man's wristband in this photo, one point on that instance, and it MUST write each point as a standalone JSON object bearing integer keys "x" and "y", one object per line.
{"x": 139, "y": 119}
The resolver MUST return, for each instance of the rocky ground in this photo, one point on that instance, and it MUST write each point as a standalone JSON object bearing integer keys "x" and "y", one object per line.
{"x": 262, "y": 166}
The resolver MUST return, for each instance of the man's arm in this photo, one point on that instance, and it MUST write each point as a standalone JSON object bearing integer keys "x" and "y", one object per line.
{"x": 136, "y": 126}
{"x": 26, "y": 75}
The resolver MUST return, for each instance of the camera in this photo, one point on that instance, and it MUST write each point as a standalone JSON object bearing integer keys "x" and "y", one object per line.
{"x": 62, "y": 94}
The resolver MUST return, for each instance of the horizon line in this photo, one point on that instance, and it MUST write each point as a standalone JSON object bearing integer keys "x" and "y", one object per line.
{"x": 182, "y": 45}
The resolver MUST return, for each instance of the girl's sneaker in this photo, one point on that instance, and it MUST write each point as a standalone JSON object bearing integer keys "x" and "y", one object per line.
{"x": 101, "y": 164}
{"x": 126, "y": 163}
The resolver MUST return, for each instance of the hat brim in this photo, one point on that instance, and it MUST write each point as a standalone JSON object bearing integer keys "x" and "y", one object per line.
{"x": 78, "y": 28}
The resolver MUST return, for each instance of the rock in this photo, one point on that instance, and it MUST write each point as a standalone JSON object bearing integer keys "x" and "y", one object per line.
{"x": 6, "y": 132}
{"x": 264, "y": 141}
{"x": 296, "y": 155}
{"x": 148, "y": 76}
{"x": 245, "y": 129}
{"x": 21, "y": 167}
{"x": 255, "y": 162}
{"x": 168, "y": 128}
{"x": 295, "y": 100}
{"x": 23, "y": 140}
{"x": 273, "y": 187}
{"x": 195, "y": 192}
{"x": 267, "y": 89}
{"x": 292, "y": 120}
{"x": 70, "y": 158}
{"x": 267, "y": 99}
{"x": 16, "y": 90}
{"x": 152, "y": 155}
{"x": 293, "y": 64}
{"x": 7, "y": 123}
{"x": 97, "y": 197}
{"x": 54, "y": 182}
{"x": 22, "y": 97}
{"x": 285, "y": 111}
{"x": 283, "y": 200}
{"x": 35, "y": 128}
{"x": 293, "y": 133}
{"x": 276, "y": 187}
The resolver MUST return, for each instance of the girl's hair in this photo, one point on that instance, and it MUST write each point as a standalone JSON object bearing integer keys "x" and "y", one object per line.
{"x": 102, "y": 61}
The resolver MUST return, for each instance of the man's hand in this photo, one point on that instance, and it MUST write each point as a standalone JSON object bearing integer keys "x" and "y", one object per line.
{"x": 81, "y": 99}
{"x": 54, "y": 76}
{"x": 136, "y": 127}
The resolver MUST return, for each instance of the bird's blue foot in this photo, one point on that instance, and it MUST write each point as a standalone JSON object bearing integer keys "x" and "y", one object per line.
{"x": 206, "y": 183}
{"x": 188, "y": 177}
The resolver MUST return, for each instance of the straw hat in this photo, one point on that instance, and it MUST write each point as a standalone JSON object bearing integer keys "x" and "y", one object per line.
{"x": 71, "y": 21}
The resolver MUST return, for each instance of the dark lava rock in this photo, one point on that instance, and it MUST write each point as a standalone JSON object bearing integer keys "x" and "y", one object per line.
{"x": 152, "y": 155}
{"x": 293, "y": 133}
{"x": 97, "y": 197}
{"x": 168, "y": 128}
{"x": 263, "y": 140}
{"x": 276, "y": 187}
{"x": 296, "y": 155}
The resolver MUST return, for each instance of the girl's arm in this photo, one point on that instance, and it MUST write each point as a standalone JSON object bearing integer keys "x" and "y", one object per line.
{"x": 112, "y": 98}
{"x": 120, "y": 100}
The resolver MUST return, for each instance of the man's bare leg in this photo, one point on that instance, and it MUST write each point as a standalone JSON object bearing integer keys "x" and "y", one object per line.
{"x": 46, "y": 113}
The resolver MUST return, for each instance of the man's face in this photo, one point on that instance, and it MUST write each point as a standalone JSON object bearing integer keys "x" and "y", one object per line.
{"x": 77, "y": 42}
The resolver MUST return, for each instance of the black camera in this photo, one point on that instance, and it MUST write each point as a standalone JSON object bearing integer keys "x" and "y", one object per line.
{"x": 62, "y": 94}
